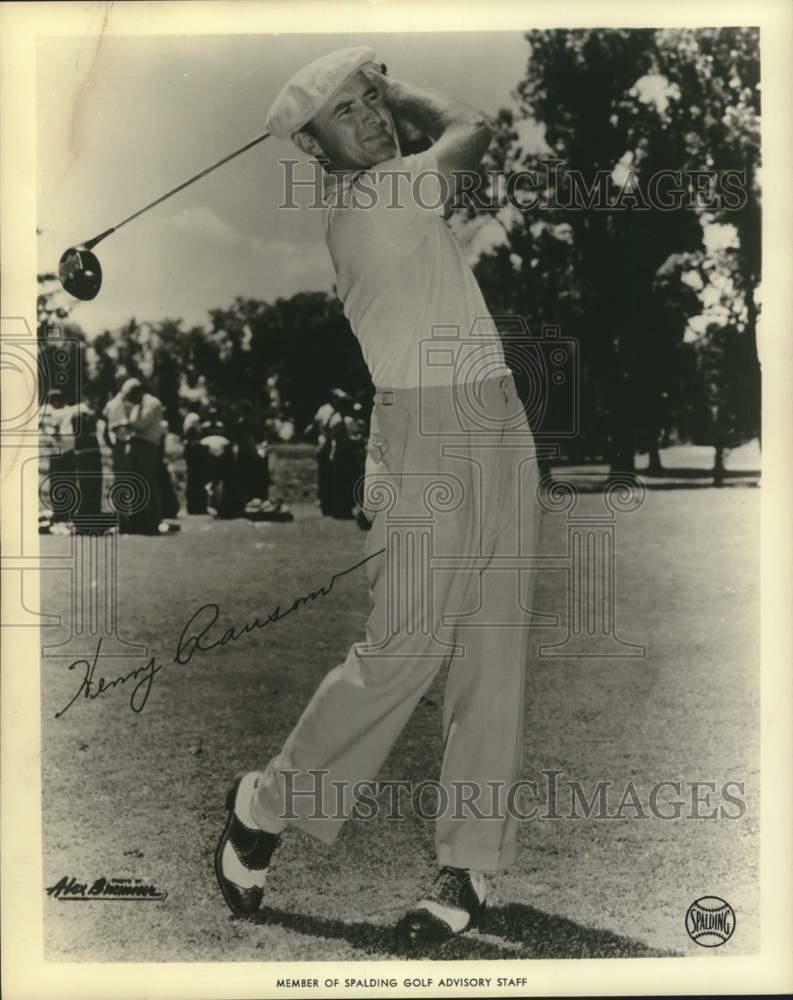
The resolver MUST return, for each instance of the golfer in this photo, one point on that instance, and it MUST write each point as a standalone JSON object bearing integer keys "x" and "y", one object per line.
{"x": 400, "y": 274}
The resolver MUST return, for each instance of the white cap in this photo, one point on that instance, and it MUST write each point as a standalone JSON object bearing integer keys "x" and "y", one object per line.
{"x": 312, "y": 87}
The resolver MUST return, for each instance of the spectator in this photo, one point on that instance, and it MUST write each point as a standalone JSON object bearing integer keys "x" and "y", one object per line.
{"x": 346, "y": 458}
{"x": 143, "y": 431}
{"x": 213, "y": 423}
{"x": 223, "y": 497}
{"x": 251, "y": 461}
{"x": 168, "y": 498}
{"x": 319, "y": 428}
{"x": 55, "y": 423}
{"x": 87, "y": 467}
{"x": 195, "y": 457}
{"x": 116, "y": 432}
{"x": 284, "y": 427}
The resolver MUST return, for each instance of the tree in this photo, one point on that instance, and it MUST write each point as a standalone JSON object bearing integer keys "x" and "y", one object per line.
{"x": 718, "y": 71}
{"x": 305, "y": 342}
{"x": 617, "y": 107}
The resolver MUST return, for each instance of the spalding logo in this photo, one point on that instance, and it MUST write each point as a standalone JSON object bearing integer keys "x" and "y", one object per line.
{"x": 710, "y": 921}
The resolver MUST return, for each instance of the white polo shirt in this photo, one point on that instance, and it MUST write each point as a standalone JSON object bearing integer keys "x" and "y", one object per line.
{"x": 409, "y": 294}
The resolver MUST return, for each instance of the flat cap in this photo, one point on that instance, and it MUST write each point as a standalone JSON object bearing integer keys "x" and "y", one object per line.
{"x": 312, "y": 86}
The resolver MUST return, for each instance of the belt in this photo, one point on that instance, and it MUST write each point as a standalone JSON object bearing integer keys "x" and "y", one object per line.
{"x": 386, "y": 397}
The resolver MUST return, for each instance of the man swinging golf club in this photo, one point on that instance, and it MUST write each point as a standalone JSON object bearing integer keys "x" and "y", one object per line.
{"x": 400, "y": 273}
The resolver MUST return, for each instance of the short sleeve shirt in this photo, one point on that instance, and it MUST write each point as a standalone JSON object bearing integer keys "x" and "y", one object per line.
{"x": 409, "y": 294}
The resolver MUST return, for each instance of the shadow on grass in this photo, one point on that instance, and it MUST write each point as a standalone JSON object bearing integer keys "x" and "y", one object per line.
{"x": 687, "y": 473}
{"x": 670, "y": 479}
{"x": 682, "y": 485}
{"x": 544, "y": 935}
{"x": 526, "y": 932}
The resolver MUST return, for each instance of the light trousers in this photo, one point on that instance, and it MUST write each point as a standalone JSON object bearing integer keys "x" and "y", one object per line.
{"x": 451, "y": 483}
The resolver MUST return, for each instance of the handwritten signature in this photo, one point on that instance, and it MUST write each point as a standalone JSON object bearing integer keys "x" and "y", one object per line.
{"x": 68, "y": 889}
{"x": 193, "y": 639}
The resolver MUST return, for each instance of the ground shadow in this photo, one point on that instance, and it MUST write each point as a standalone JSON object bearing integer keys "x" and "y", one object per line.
{"x": 683, "y": 485}
{"x": 688, "y": 473}
{"x": 525, "y": 932}
{"x": 545, "y": 935}
{"x": 670, "y": 479}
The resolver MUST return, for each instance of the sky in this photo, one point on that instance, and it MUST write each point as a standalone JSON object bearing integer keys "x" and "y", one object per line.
{"x": 123, "y": 120}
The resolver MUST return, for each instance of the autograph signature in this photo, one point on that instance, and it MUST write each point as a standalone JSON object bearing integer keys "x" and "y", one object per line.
{"x": 194, "y": 639}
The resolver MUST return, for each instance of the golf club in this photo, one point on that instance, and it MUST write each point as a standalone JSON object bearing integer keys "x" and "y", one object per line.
{"x": 79, "y": 269}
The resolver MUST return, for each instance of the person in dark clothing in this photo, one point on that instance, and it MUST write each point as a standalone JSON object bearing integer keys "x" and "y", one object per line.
{"x": 223, "y": 494}
{"x": 134, "y": 420}
{"x": 346, "y": 458}
{"x": 116, "y": 431}
{"x": 195, "y": 456}
{"x": 251, "y": 461}
{"x": 87, "y": 467}
{"x": 318, "y": 429}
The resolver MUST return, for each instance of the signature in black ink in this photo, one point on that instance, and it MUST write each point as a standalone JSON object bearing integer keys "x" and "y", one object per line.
{"x": 68, "y": 889}
{"x": 194, "y": 639}
{"x": 91, "y": 688}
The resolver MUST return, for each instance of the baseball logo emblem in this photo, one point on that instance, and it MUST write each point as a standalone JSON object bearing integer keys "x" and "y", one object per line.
{"x": 710, "y": 921}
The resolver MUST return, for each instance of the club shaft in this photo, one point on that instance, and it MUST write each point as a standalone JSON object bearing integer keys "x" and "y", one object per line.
{"x": 180, "y": 187}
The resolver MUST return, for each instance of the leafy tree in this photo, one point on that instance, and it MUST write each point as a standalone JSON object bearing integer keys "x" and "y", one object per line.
{"x": 718, "y": 74}
{"x": 304, "y": 342}
{"x": 617, "y": 107}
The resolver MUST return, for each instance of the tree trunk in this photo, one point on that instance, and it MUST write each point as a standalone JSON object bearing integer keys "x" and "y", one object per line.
{"x": 718, "y": 465}
{"x": 655, "y": 467}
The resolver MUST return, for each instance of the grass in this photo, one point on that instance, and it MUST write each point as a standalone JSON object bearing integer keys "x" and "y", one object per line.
{"x": 141, "y": 795}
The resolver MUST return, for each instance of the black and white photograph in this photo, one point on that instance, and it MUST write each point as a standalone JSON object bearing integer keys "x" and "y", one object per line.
{"x": 392, "y": 507}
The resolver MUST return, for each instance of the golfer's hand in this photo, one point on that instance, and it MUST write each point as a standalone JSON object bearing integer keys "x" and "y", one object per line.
{"x": 376, "y": 72}
{"x": 409, "y": 134}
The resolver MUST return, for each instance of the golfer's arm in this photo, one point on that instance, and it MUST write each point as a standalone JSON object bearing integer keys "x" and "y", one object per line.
{"x": 460, "y": 134}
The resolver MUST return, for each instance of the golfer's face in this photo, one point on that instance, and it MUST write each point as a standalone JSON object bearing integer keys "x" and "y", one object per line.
{"x": 355, "y": 128}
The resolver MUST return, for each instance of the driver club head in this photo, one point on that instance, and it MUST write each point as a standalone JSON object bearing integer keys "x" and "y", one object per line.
{"x": 80, "y": 273}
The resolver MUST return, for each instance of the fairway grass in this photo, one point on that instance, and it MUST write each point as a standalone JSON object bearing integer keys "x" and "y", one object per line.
{"x": 141, "y": 795}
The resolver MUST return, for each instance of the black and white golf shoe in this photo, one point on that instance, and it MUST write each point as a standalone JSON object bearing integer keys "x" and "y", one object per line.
{"x": 242, "y": 857}
{"x": 454, "y": 904}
